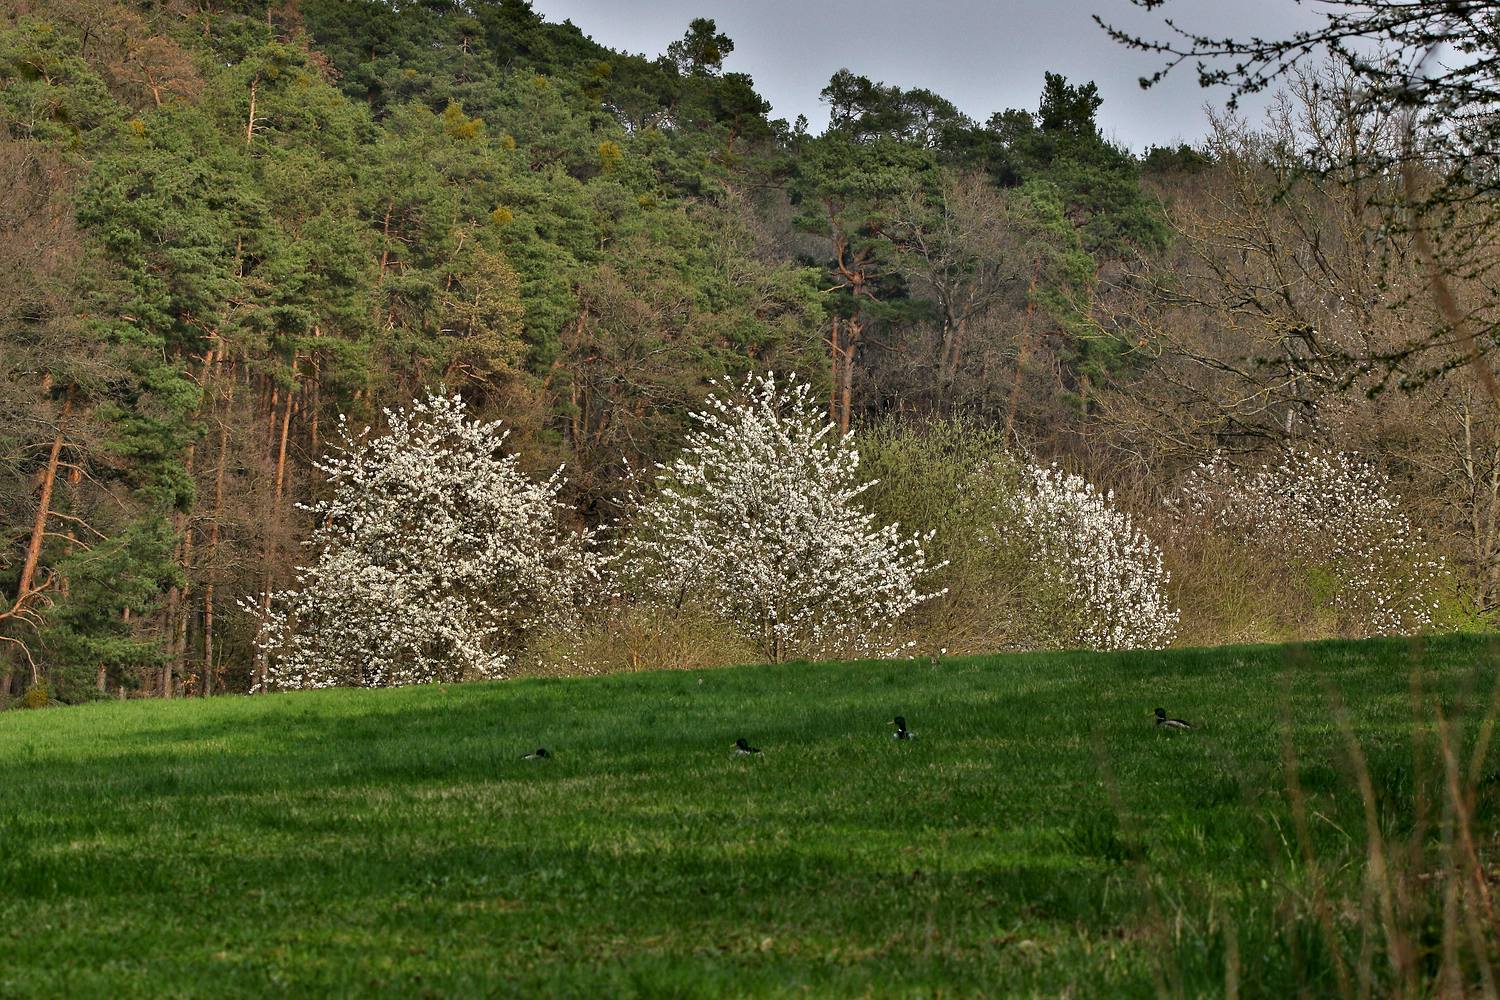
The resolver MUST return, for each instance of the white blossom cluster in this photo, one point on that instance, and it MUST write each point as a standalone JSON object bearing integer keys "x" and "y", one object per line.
{"x": 1109, "y": 569}
{"x": 758, "y": 522}
{"x": 1330, "y": 514}
{"x": 437, "y": 556}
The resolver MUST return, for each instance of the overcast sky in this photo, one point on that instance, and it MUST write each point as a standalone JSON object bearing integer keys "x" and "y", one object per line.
{"x": 983, "y": 55}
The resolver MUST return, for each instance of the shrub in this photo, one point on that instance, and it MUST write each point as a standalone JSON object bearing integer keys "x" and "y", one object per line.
{"x": 1111, "y": 573}
{"x": 1333, "y": 525}
{"x": 437, "y": 559}
{"x": 1034, "y": 558}
{"x": 944, "y": 478}
{"x": 758, "y": 522}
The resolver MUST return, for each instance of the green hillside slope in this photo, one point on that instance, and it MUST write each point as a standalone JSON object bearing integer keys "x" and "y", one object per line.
{"x": 1039, "y": 834}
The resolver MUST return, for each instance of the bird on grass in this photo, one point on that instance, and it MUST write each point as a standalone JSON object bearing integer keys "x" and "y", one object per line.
{"x": 901, "y": 733}
{"x": 540, "y": 753}
{"x": 1162, "y": 722}
{"x": 745, "y": 749}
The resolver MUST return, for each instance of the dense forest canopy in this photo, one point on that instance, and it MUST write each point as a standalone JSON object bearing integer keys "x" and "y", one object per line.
{"x": 229, "y": 223}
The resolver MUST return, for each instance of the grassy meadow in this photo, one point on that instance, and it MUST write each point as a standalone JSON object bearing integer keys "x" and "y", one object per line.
{"x": 1039, "y": 837}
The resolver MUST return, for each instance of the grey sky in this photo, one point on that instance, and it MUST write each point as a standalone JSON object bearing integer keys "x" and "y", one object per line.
{"x": 984, "y": 55}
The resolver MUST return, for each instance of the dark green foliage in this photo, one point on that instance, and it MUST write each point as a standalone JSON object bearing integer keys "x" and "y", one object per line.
{"x": 1068, "y": 111}
{"x": 51, "y": 94}
{"x": 701, "y": 51}
{"x": 289, "y": 211}
{"x": 1181, "y": 159}
{"x": 87, "y": 636}
{"x": 1060, "y": 144}
{"x": 350, "y": 203}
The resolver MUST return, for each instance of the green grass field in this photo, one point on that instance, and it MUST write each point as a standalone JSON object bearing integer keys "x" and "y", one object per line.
{"x": 1039, "y": 837}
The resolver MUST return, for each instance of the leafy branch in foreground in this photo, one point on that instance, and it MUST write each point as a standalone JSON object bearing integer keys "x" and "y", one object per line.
{"x": 1394, "y": 46}
{"x": 1431, "y": 63}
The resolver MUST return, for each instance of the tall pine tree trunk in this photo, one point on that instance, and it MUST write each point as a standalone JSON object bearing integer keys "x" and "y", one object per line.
{"x": 185, "y": 605}
{"x": 314, "y": 395}
{"x": 1024, "y": 348}
{"x": 179, "y": 598}
{"x": 273, "y": 530}
{"x": 835, "y": 370}
{"x": 952, "y": 351}
{"x": 286, "y": 424}
{"x": 853, "y": 329}
{"x": 182, "y": 526}
{"x": 271, "y": 410}
{"x": 213, "y": 547}
{"x": 250, "y": 120}
{"x": 27, "y": 588}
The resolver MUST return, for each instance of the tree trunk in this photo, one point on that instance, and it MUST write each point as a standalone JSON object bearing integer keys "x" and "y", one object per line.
{"x": 271, "y": 409}
{"x": 125, "y": 619}
{"x": 27, "y": 585}
{"x": 43, "y": 507}
{"x": 315, "y": 396}
{"x": 1492, "y": 523}
{"x": 953, "y": 345}
{"x": 185, "y": 608}
{"x": 250, "y": 121}
{"x": 846, "y": 390}
{"x": 286, "y": 423}
{"x": 213, "y": 547}
{"x": 164, "y": 680}
{"x": 177, "y": 602}
{"x": 853, "y": 329}
{"x": 385, "y": 234}
{"x": 835, "y": 370}
{"x": 1023, "y": 348}
{"x": 274, "y": 527}
{"x": 154, "y": 87}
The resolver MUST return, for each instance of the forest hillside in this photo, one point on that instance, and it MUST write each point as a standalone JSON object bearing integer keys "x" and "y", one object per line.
{"x": 1099, "y": 397}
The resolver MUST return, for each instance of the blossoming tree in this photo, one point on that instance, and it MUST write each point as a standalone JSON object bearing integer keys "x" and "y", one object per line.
{"x": 758, "y": 521}
{"x": 1331, "y": 515}
{"x": 437, "y": 558}
{"x": 1106, "y": 570}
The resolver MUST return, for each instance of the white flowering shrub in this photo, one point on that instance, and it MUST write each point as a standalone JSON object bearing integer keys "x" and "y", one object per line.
{"x": 758, "y": 522}
{"x": 1107, "y": 572}
{"x": 1337, "y": 520}
{"x": 437, "y": 558}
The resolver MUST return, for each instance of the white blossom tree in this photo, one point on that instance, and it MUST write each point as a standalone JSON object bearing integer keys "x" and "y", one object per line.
{"x": 437, "y": 558}
{"x": 1106, "y": 569}
{"x": 1334, "y": 516}
{"x": 758, "y": 522}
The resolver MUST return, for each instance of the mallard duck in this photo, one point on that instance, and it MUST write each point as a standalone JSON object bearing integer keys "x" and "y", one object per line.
{"x": 744, "y": 749}
{"x": 901, "y": 733}
{"x": 540, "y": 753}
{"x": 1166, "y": 723}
